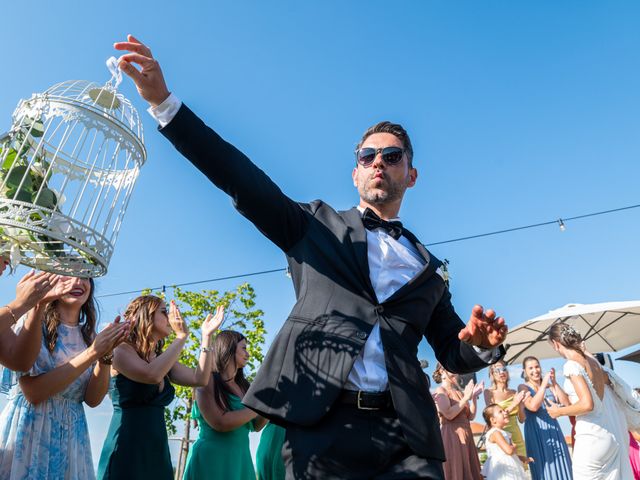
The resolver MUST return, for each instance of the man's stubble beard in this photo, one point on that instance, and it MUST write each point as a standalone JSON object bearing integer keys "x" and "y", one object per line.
{"x": 392, "y": 193}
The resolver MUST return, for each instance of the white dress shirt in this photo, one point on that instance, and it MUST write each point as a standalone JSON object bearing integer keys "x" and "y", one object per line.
{"x": 392, "y": 263}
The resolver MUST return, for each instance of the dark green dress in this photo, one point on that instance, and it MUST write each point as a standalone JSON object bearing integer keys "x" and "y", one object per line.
{"x": 220, "y": 455}
{"x": 269, "y": 461}
{"x": 137, "y": 446}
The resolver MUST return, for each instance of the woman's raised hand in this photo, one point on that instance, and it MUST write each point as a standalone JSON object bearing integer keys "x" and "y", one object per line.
{"x": 213, "y": 322}
{"x": 468, "y": 390}
{"x": 61, "y": 285}
{"x": 110, "y": 337}
{"x": 40, "y": 287}
{"x": 176, "y": 321}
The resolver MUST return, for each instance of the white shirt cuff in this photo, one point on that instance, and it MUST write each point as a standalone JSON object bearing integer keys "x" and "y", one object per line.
{"x": 164, "y": 113}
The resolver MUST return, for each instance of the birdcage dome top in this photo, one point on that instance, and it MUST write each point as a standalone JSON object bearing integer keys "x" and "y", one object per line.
{"x": 101, "y": 103}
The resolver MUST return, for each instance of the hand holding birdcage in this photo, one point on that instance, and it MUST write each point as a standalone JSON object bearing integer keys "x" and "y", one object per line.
{"x": 149, "y": 79}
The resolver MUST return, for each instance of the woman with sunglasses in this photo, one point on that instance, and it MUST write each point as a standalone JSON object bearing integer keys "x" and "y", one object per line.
{"x": 43, "y": 428}
{"x": 601, "y": 448}
{"x": 542, "y": 434}
{"x": 507, "y": 399}
{"x": 456, "y": 408}
{"x": 137, "y": 446}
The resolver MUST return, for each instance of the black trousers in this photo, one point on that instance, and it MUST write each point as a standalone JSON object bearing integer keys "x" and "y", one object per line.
{"x": 354, "y": 444}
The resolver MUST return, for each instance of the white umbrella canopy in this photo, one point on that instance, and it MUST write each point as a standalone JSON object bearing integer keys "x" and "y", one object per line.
{"x": 606, "y": 327}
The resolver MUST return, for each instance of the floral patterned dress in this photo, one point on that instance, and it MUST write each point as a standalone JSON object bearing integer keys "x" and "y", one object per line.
{"x": 49, "y": 440}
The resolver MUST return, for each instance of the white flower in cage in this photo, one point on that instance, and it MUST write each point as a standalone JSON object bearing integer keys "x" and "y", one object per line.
{"x": 17, "y": 236}
{"x": 60, "y": 225}
{"x": 15, "y": 256}
{"x": 60, "y": 198}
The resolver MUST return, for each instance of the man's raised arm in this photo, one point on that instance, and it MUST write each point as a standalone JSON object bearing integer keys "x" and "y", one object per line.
{"x": 254, "y": 194}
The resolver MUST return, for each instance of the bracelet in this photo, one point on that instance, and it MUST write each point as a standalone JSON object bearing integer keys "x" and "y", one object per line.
{"x": 206, "y": 349}
{"x": 107, "y": 359}
{"x": 15, "y": 320}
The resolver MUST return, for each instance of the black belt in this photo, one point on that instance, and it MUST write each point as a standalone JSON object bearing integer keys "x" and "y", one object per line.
{"x": 366, "y": 400}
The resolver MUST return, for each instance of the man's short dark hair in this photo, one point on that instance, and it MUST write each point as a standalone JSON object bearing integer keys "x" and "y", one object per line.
{"x": 394, "y": 129}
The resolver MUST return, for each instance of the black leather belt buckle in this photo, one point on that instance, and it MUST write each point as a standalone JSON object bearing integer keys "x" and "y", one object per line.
{"x": 366, "y": 400}
{"x": 361, "y": 404}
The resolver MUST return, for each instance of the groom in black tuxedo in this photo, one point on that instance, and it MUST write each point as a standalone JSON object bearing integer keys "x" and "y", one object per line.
{"x": 342, "y": 375}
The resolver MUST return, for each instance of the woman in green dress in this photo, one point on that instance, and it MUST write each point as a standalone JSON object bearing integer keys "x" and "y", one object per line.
{"x": 509, "y": 400}
{"x": 222, "y": 449}
{"x": 137, "y": 446}
{"x": 269, "y": 461}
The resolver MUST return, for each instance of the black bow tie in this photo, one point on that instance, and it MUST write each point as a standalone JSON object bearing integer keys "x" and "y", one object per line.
{"x": 371, "y": 221}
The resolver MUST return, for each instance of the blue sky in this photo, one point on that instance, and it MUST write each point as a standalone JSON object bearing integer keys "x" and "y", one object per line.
{"x": 519, "y": 112}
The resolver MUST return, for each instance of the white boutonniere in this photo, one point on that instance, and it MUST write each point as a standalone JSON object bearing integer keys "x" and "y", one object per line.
{"x": 443, "y": 271}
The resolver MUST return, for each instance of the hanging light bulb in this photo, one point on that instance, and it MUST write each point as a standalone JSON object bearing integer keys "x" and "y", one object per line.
{"x": 288, "y": 272}
{"x": 561, "y": 224}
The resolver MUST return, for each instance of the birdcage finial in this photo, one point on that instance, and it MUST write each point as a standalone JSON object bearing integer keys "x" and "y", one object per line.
{"x": 116, "y": 73}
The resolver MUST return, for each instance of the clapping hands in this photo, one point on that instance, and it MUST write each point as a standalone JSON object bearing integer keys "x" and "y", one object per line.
{"x": 176, "y": 321}
{"x": 213, "y": 322}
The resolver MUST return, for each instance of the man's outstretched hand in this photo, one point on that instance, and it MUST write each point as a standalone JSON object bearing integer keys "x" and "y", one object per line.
{"x": 484, "y": 329}
{"x": 149, "y": 79}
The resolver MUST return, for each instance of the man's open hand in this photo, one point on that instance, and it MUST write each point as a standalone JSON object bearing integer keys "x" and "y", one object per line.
{"x": 484, "y": 329}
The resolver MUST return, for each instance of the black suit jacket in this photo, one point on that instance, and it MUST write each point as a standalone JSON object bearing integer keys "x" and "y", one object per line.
{"x": 336, "y": 307}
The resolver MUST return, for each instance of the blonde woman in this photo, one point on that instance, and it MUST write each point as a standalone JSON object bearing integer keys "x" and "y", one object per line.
{"x": 137, "y": 446}
{"x": 507, "y": 399}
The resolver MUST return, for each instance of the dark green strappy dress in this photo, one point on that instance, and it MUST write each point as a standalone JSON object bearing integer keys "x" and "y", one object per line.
{"x": 137, "y": 446}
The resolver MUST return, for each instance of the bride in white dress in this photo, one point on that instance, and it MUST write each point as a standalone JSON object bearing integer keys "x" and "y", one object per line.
{"x": 601, "y": 449}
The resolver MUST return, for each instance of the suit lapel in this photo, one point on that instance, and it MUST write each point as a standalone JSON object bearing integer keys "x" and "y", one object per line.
{"x": 358, "y": 237}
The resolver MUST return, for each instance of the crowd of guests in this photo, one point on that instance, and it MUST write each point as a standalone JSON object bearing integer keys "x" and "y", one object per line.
{"x": 604, "y": 448}
{"x": 56, "y": 361}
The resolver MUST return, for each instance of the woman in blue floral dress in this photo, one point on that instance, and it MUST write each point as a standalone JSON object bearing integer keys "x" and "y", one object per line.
{"x": 43, "y": 429}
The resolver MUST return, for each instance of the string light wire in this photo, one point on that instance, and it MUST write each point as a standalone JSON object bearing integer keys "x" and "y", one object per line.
{"x": 560, "y": 221}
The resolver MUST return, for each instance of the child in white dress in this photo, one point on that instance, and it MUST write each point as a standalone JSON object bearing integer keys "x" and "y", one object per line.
{"x": 502, "y": 462}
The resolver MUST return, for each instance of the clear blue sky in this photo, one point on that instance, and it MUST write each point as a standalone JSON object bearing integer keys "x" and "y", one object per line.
{"x": 519, "y": 112}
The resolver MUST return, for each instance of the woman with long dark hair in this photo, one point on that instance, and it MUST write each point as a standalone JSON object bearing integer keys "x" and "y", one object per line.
{"x": 43, "y": 429}
{"x": 542, "y": 434}
{"x": 137, "y": 447}
{"x": 222, "y": 449}
{"x": 601, "y": 449}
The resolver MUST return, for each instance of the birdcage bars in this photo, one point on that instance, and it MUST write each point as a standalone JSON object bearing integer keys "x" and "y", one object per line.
{"x": 87, "y": 141}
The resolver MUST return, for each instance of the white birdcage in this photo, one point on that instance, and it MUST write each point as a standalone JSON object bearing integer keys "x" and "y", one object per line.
{"x": 67, "y": 170}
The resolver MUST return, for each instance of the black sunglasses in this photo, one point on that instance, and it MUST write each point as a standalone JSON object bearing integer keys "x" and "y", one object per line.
{"x": 390, "y": 155}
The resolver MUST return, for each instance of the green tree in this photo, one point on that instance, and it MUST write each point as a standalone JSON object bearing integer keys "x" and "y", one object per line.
{"x": 241, "y": 315}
